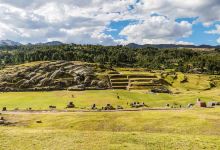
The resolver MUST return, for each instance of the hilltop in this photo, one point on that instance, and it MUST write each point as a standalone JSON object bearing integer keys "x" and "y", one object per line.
{"x": 130, "y": 45}
{"x": 78, "y": 76}
{"x": 9, "y": 43}
{"x": 166, "y": 46}
{"x": 183, "y": 60}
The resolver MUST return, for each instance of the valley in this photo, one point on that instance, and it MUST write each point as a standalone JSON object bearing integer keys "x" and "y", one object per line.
{"x": 166, "y": 120}
{"x": 81, "y": 101}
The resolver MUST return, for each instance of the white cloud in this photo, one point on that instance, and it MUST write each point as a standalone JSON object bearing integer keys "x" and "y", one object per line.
{"x": 85, "y": 21}
{"x": 216, "y": 31}
{"x": 77, "y": 21}
{"x": 184, "y": 43}
{"x": 156, "y": 29}
{"x": 111, "y": 30}
{"x": 218, "y": 40}
{"x": 206, "y": 10}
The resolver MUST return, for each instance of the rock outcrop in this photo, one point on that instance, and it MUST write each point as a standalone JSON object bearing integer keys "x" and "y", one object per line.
{"x": 43, "y": 76}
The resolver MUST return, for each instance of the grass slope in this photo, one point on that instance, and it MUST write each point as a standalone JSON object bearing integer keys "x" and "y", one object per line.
{"x": 145, "y": 130}
{"x": 191, "y": 129}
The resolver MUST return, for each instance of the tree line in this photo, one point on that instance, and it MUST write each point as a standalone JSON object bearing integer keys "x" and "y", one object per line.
{"x": 121, "y": 56}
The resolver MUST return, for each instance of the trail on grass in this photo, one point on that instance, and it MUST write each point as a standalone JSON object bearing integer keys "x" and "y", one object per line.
{"x": 84, "y": 111}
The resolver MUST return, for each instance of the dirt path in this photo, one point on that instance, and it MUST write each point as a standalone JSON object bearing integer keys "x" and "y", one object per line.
{"x": 83, "y": 111}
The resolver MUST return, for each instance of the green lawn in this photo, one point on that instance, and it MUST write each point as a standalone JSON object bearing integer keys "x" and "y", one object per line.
{"x": 84, "y": 99}
{"x": 186, "y": 129}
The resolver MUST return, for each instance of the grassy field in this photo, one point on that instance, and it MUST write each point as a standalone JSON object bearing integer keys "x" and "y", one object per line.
{"x": 84, "y": 99}
{"x": 184, "y": 129}
{"x": 175, "y": 129}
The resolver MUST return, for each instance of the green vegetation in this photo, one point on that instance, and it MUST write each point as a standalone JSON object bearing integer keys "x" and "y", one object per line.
{"x": 197, "y": 86}
{"x": 152, "y": 129}
{"x": 185, "y": 129}
{"x": 183, "y": 60}
{"x": 85, "y": 99}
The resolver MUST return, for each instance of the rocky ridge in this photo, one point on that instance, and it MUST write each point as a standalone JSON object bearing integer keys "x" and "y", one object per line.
{"x": 46, "y": 76}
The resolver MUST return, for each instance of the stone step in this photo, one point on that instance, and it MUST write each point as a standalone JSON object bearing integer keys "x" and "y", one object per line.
{"x": 120, "y": 84}
{"x": 141, "y": 76}
{"x": 141, "y": 79}
{"x": 116, "y": 76}
{"x": 119, "y": 80}
{"x": 119, "y": 87}
{"x": 141, "y": 87}
{"x": 144, "y": 84}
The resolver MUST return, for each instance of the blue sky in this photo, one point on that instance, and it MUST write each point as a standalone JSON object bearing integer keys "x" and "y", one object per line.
{"x": 117, "y": 27}
{"x": 111, "y": 22}
{"x": 199, "y": 35}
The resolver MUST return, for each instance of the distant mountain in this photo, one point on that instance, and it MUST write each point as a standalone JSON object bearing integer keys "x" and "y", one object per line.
{"x": 133, "y": 45}
{"x": 52, "y": 43}
{"x": 9, "y": 43}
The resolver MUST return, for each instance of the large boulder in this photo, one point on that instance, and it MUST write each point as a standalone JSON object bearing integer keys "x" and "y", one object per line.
{"x": 45, "y": 82}
{"x": 61, "y": 84}
{"x": 32, "y": 74}
{"x": 20, "y": 74}
{"x": 46, "y": 88}
{"x": 57, "y": 74}
{"x": 77, "y": 88}
{"x": 9, "y": 89}
{"x": 94, "y": 82}
{"x": 211, "y": 104}
{"x": 27, "y": 84}
{"x": 37, "y": 78}
{"x": 160, "y": 90}
{"x": 20, "y": 82}
{"x": 7, "y": 84}
{"x": 108, "y": 107}
{"x": 102, "y": 84}
{"x": 2, "y": 122}
{"x": 70, "y": 105}
{"x": 48, "y": 74}
{"x": 77, "y": 79}
{"x": 69, "y": 67}
{"x": 52, "y": 67}
{"x": 161, "y": 81}
{"x": 8, "y": 78}
{"x": 88, "y": 80}
{"x": 138, "y": 104}
{"x": 196, "y": 70}
{"x": 83, "y": 71}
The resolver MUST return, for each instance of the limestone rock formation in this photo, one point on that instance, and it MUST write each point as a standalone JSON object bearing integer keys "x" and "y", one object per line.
{"x": 57, "y": 75}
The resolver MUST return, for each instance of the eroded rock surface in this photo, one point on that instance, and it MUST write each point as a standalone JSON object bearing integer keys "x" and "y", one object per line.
{"x": 45, "y": 76}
